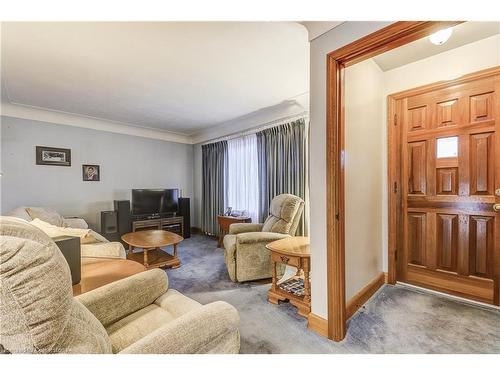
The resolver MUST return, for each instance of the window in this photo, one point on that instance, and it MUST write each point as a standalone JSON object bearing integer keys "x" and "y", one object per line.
{"x": 243, "y": 175}
{"x": 447, "y": 147}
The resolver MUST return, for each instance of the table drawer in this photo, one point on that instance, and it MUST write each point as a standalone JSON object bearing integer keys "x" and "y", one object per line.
{"x": 286, "y": 259}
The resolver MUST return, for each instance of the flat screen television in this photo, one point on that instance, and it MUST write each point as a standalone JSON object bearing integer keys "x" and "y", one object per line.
{"x": 154, "y": 202}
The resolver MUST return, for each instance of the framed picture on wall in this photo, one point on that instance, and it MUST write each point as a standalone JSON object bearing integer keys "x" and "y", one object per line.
{"x": 53, "y": 156}
{"x": 91, "y": 172}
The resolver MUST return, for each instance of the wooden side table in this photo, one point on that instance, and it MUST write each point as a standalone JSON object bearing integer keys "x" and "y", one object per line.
{"x": 71, "y": 249}
{"x": 295, "y": 252}
{"x": 226, "y": 221}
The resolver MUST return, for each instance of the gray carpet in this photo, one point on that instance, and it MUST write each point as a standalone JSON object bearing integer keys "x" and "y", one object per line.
{"x": 396, "y": 320}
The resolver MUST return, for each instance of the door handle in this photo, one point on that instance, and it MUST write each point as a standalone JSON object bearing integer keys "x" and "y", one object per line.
{"x": 496, "y": 207}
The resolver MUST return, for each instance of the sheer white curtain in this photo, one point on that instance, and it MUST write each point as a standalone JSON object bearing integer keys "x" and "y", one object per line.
{"x": 243, "y": 175}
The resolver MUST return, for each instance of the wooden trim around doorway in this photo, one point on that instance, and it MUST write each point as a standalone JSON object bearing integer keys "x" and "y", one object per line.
{"x": 360, "y": 298}
{"x": 390, "y": 37}
{"x": 317, "y": 324}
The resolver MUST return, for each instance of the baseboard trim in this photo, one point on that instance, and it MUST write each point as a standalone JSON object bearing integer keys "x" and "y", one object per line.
{"x": 360, "y": 298}
{"x": 386, "y": 277}
{"x": 317, "y": 324}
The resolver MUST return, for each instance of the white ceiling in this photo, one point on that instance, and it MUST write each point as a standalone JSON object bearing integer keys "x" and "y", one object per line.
{"x": 463, "y": 33}
{"x": 318, "y": 28}
{"x": 173, "y": 76}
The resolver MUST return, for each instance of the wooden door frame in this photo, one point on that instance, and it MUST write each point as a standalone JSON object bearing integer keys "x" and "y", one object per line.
{"x": 383, "y": 40}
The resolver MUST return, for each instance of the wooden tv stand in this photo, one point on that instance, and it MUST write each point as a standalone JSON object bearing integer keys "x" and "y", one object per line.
{"x": 173, "y": 224}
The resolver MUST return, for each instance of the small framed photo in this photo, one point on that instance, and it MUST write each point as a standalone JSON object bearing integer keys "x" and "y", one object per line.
{"x": 53, "y": 156}
{"x": 91, "y": 172}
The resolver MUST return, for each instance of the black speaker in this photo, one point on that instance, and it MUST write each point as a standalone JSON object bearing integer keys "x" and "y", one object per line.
{"x": 185, "y": 212}
{"x": 122, "y": 209}
{"x": 109, "y": 223}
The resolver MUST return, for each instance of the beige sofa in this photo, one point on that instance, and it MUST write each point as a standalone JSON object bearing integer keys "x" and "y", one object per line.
{"x": 90, "y": 252}
{"x": 139, "y": 314}
{"x": 48, "y": 215}
{"x": 245, "y": 252}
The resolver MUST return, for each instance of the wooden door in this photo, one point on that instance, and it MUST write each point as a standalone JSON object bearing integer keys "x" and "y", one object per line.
{"x": 450, "y": 173}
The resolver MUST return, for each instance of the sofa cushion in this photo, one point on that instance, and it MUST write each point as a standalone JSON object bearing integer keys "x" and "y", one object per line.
{"x": 19, "y": 212}
{"x": 135, "y": 326}
{"x": 114, "y": 250}
{"x": 87, "y": 236}
{"x": 39, "y": 314}
{"x": 176, "y": 303}
{"x": 282, "y": 212}
{"x": 46, "y": 214}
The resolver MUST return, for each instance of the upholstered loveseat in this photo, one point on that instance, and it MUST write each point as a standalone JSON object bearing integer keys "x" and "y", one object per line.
{"x": 139, "y": 314}
{"x": 48, "y": 215}
{"x": 245, "y": 252}
{"x": 54, "y": 224}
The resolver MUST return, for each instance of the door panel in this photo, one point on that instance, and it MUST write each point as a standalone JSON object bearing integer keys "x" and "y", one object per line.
{"x": 417, "y": 118}
{"x": 481, "y": 246}
{"x": 417, "y": 154}
{"x": 482, "y": 163}
{"x": 481, "y": 107}
{"x": 450, "y": 168}
{"x": 416, "y": 235}
{"x": 447, "y": 113}
{"x": 447, "y": 241}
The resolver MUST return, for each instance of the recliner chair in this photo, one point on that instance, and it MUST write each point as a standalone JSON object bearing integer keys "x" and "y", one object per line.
{"x": 245, "y": 252}
{"x": 139, "y": 314}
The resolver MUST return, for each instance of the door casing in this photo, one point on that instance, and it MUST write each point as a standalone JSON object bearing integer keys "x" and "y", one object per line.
{"x": 386, "y": 39}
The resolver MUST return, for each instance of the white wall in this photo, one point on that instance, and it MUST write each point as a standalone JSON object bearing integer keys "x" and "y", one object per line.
{"x": 448, "y": 65}
{"x": 320, "y": 47}
{"x": 363, "y": 175}
{"x": 125, "y": 161}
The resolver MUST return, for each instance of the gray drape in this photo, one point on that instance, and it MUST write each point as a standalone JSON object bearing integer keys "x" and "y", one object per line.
{"x": 214, "y": 192}
{"x": 282, "y": 152}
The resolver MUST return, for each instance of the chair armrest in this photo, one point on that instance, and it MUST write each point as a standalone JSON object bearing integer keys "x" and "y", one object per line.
{"x": 118, "y": 299}
{"x": 245, "y": 227}
{"x": 76, "y": 222}
{"x": 256, "y": 237}
{"x": 197, "y": 331}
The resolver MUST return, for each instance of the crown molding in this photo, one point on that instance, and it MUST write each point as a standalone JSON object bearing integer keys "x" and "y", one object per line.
{"x": 62, "y": 118}
{"x": 288, "y": 108}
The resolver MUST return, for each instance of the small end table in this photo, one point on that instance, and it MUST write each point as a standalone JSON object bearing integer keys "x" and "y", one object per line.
{"x": 295, "y": 252}
{"x": 226, "y": 221}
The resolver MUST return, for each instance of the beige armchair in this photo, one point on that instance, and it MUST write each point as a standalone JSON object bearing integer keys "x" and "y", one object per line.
{"x": 245, "y": 252}
{"x": 140, "y": 314}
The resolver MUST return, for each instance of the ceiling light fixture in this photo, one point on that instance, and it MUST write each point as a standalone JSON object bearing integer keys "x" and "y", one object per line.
{"x": 441, "y": 36}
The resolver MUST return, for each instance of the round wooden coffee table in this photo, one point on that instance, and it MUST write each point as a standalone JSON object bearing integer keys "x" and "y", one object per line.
{"x": 150, "y": 241}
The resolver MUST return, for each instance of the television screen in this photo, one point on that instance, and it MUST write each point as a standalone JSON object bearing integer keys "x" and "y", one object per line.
{"x": 154, "y": 201}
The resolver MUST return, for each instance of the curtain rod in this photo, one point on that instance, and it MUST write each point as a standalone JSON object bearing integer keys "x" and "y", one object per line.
{"x": 260, "y": 127}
